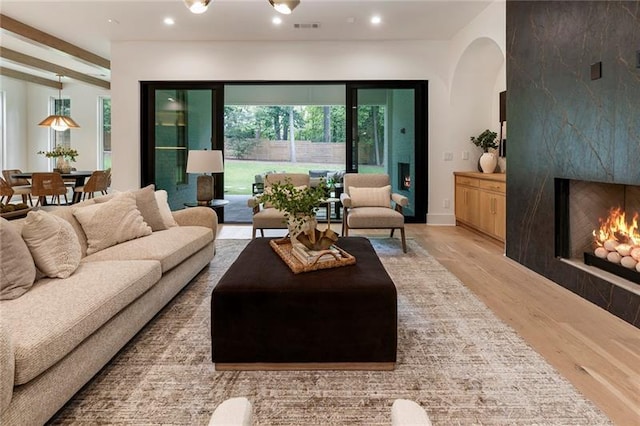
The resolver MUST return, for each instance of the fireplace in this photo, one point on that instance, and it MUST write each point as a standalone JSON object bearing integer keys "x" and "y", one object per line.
{"x": 597, "y": 229}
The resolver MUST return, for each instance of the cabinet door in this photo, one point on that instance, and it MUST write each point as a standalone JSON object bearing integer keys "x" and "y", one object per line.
{"x": 500, "y": 216}
{"x": 467, "y": 205}
{"x": 487, "y": 216}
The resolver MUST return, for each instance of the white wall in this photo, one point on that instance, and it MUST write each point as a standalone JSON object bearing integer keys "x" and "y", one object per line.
{"x": 476, "y": 76}
{"x": 28, "y": 104}
{"x": 237, "y": 61}
{"x": 437, "y": 62}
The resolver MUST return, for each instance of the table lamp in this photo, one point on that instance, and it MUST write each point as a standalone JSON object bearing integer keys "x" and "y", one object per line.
{"x": 203, "y": 161}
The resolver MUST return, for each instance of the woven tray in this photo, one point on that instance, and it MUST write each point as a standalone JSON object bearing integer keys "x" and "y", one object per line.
{"x": 283, "y": 248}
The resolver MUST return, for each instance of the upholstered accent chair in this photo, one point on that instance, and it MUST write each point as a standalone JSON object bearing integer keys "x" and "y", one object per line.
{"x": 266, "y": 216}
{"x": 20, "y": 186}
{"x": 48, "y": 184}
{"x": 98, "y": 182}
{"x": 367, "y": 204}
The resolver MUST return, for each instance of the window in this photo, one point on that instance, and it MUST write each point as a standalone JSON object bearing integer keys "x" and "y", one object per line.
{"x": 104, "y": 132}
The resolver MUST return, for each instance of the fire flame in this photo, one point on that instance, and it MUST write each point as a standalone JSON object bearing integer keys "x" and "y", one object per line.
{"x": 615, "y": 227}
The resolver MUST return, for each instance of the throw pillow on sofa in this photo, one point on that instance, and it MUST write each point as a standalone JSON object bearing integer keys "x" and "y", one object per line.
{"x": 53, "y": 244}
{"x": 17, "y": 271}
{"x": 165, "y": 210}
{"x": 116, "y": 221}
{"x": 146, "y": 203}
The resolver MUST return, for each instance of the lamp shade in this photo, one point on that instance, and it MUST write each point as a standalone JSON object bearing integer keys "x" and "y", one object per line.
{"x": 203, "y": 161}
{"x": 59, "y": 122}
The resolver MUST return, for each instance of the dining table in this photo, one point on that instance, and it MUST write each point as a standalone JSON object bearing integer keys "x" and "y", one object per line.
{"x": 78, "y": 176}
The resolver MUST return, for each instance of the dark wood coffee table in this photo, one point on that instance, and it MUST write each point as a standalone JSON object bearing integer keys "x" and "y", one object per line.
{"x": 265, "y": 317}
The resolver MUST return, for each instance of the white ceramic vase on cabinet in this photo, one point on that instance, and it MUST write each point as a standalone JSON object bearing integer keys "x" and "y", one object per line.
{"x": 488, "y": 162}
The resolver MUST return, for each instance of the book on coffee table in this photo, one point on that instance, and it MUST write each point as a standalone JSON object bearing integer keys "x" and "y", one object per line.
{"x": 308, "y": 257}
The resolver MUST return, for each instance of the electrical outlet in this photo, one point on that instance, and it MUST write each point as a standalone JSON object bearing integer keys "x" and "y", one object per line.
{"x": 465, "y": 155}
{"x": 447, "y": 156}
{"x": 446, "y": 203}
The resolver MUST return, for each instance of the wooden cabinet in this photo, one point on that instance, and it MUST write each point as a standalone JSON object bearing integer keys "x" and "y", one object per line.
{"x": 467, "y": 201}
{"x": 481, "y": 202}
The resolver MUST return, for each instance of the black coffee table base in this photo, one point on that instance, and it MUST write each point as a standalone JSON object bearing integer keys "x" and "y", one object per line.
{"x": 265, "y": 317}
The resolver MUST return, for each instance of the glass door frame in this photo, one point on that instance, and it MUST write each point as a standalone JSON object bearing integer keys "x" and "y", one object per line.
{"x": 147, "y": 128}
{"x": 421, "y": 90}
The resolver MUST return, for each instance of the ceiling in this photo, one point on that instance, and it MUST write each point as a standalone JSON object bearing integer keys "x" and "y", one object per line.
{"x": 92, "y": 25}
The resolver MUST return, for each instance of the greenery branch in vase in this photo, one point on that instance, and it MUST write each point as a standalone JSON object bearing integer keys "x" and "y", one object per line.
{"x": 486, "y": 140}
{"x": 300, "y": 205}
{"x": 63, "y": 154}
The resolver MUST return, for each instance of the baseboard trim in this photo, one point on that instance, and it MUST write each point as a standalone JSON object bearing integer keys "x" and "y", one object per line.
{"x": 441, "y": 219}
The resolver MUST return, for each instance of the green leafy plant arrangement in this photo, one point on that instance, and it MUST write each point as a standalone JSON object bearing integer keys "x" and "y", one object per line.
{"x": 485, "y": 140}
{"x": 297, "y": 202}
{"x": 61, "y": 151}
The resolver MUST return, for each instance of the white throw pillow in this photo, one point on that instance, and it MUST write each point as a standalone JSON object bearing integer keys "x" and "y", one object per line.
{"x": 17, "y": 271}
{"x": 370, "y": 197}
{"x": 162, "y": 199}
{"x": 116, "y": 221}
{"x": 53, "y": 244}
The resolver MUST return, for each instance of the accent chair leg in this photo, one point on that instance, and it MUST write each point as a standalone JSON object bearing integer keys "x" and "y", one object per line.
{"x": 262, "y": 232}
{"x": 404, "y": 241}
{"x": 391, "y": 235}
{"x": 253, "y": 234}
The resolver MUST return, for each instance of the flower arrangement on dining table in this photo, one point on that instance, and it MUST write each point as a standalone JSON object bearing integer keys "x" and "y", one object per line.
{"x": 299, "y": 203}
{"x": 60, "y": 151}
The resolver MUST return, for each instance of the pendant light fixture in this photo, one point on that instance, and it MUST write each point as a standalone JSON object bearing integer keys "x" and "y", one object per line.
{"x": 197, "y": 6}
{"x": 59, "y": 122}
{"x": 284, "y": 6}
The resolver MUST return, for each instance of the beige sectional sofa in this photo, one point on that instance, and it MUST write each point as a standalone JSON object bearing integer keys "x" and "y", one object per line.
{"x": 57, "y": 335}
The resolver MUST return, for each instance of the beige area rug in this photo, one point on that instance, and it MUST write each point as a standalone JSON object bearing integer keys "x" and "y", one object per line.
{"x": 455, "y": 358}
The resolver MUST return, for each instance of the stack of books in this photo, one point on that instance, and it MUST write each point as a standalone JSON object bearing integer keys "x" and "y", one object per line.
{"x": 308, "y": 257}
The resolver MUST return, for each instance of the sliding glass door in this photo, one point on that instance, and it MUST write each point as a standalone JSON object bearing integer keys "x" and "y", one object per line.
{"x": 387, "y": 123}
{"x": 179, "y": 118}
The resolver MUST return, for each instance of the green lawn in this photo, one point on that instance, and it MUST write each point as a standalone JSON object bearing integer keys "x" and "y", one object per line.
{"x": 239, "y": 174}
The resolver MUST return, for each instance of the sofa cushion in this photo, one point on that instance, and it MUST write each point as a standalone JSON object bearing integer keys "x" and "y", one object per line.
{"x": 66, "y": 312}
{"x": 269, "y": 218}
{"x": 53, "y": 244}
{"x": 17, "y": 270}
{"x": 113, "y": 222}
{"x": 170, "y": 247}
{"x": 375, "y": 217}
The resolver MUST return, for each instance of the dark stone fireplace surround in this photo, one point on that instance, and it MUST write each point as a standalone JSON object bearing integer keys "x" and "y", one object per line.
{"x": 563, "y": 124}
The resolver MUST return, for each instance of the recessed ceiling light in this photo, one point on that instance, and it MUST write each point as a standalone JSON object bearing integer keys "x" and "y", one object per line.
{"x": 376, "y": 20}
{"x": 113, "y": 21}
{"x": 276, "y": 20}
{"x": 169, "y": 21}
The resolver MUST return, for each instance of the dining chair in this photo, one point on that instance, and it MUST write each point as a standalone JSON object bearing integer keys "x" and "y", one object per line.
{"x": 21, "y": 186}
{"x": 48, "y": 184}
{"x": 98, "y": 182}
{"x": 5, "y": 191}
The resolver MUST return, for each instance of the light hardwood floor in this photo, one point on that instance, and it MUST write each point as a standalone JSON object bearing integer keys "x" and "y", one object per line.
{"x": 596, "y": 351}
